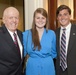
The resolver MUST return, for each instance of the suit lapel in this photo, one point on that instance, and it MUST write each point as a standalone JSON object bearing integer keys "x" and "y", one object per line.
{"x": 7, "y": 37}
{"x": 58, "y": 40}
{"x": 72, "y": 38}
{"x": 20, "y": 36}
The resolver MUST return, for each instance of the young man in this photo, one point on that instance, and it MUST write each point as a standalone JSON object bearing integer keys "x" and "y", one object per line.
{"x": 66, "y": 42}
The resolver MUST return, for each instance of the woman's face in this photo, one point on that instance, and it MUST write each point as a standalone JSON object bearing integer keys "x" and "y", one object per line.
{"x": 40, "y": 20}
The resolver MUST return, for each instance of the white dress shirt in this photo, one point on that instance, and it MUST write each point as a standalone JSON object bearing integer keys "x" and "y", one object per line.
{"x": 19, "y": 43}
{"x": 68, "y": 28}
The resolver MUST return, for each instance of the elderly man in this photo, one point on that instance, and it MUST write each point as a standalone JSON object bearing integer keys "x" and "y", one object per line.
{"x": 10, "y": 43}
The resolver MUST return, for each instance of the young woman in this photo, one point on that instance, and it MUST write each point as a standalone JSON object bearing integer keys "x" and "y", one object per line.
{"x": 40, "y": 45}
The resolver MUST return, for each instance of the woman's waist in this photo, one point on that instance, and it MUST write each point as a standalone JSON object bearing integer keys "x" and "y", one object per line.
{"x": 39, "y": 55}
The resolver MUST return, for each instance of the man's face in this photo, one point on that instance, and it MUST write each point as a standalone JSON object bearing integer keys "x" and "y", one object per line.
{"x": 64, "y": 17}
{"x": 11, "y": 20}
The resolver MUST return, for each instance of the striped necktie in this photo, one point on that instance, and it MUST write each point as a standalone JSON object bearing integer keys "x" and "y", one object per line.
{"x": 16, "y": 42}
{"x": 63, "y": 62}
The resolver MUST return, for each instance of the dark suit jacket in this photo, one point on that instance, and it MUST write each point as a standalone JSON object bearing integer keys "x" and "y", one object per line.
{"x": 71, "y": 54}
{"x": 10, "y": 61}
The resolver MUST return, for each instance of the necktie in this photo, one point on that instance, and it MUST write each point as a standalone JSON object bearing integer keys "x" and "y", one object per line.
{"x": 63, "y": 63}
{"x": 16, "y": 43}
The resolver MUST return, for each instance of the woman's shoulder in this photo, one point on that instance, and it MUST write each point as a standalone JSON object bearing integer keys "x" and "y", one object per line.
{"x": 51, "y": 31}
{"x": 26, "y": 32}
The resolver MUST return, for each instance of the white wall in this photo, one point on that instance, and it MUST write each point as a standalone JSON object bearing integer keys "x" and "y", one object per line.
{"x": 30, "y": 7}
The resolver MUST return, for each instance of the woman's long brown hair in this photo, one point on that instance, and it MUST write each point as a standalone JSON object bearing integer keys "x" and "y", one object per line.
{"x": 35, "y": 36}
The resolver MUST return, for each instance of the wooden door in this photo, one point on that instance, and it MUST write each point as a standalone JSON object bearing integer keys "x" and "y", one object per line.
{"x": 52, "y": 6}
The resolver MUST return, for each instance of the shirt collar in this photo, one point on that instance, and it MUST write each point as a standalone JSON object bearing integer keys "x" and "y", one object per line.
{"x": 67, "y": 27}
{"x": 11, "y": 32}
